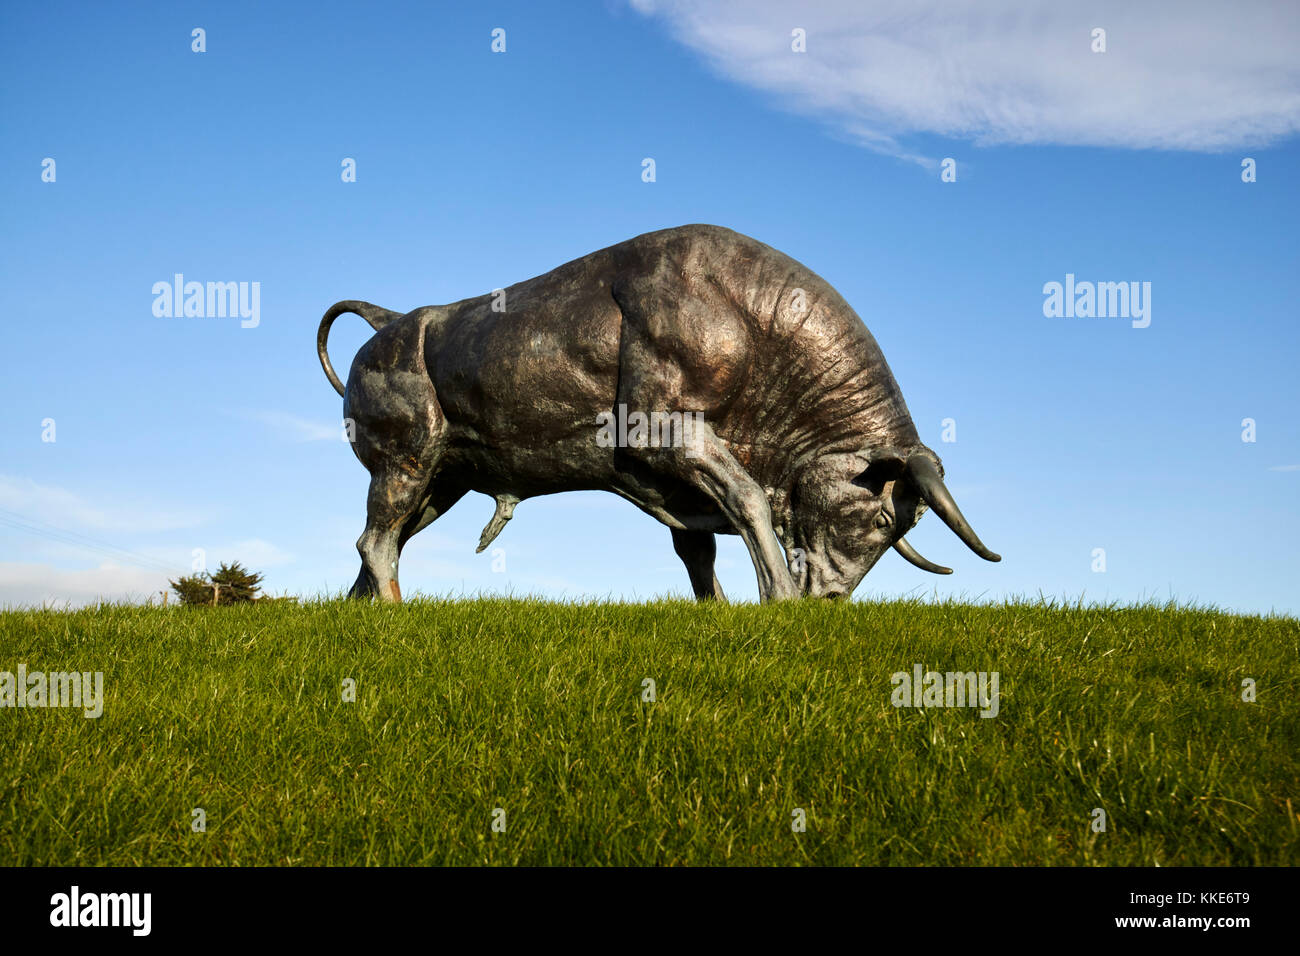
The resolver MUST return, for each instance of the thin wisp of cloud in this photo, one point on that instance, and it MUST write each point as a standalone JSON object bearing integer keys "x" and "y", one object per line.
{"x": 1188, "y": 76}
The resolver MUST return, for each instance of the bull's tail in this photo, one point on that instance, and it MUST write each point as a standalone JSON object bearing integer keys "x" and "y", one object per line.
{"x": 373, "y": 314}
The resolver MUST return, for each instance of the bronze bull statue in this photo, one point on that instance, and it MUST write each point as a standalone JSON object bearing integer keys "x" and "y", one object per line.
{"x": 772, "y": 413}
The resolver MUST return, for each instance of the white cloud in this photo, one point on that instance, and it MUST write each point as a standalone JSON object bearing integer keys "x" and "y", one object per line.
{"x": 1284, "y": 468}
{"x": 1194, "y": 75}
{"x": 66, "y": 509}
{"x": 55, "y": 534}
{"x": 27, "y": 585}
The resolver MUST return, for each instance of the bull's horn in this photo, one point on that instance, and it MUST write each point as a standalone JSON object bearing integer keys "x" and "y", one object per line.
{"x": 925, "y": 476}
{"x": 909, "y": 553}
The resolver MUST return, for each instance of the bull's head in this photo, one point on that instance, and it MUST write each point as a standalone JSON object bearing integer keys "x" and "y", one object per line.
{"x": 847, "y": 509}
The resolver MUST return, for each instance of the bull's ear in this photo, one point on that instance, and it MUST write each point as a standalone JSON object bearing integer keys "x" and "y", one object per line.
{"x": 882, "y": 465}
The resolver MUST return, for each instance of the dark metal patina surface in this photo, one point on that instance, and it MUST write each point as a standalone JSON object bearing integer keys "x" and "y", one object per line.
{"x": 806, "y": 448}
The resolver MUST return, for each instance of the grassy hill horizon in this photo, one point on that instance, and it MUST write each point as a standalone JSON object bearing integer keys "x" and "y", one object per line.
{"x": 521, "y": 731}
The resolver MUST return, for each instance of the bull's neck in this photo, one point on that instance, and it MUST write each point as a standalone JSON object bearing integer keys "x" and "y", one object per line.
{"x": 842, "y": 425}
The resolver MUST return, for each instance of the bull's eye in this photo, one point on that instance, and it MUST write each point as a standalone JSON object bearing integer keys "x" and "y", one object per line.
{"x": 881, "y": 522}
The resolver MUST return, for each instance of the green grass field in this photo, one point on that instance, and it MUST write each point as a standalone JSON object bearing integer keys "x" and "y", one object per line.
{"x": 536, "y": 708}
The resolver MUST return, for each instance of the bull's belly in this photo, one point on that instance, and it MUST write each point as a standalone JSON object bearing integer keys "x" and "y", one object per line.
{"x": 575, "y": 463}
{"x": 570, "y": 463}
{"x": 520, "y": 423}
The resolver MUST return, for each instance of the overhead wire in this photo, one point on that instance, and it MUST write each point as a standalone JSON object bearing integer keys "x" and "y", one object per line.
{"x": 84, "y": 542}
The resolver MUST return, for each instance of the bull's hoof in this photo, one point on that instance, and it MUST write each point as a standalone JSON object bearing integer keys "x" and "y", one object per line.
{"x": 362, "y": 589}
{"x": 782, "y": 591}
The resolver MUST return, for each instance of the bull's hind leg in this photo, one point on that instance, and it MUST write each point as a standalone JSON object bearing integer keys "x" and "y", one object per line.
{"x": 698, "y": 550}
{"x": 436, "y": 503}
{"x": 394, "y": 502}
{"x": 400, "y": 438}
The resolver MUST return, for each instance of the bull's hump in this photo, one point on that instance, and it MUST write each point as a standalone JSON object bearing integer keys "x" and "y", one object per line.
{"x": 794, "y": 308}
{"x": 812, "y": 347}
{"x": 817, "y": 374}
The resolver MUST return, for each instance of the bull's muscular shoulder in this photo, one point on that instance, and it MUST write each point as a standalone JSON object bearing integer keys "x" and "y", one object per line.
{"x": 812, "y": 350}
{"x": 783, "y": 357}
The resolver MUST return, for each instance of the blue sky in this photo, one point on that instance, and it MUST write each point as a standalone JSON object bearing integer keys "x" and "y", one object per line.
{"x": 478, "y": 169}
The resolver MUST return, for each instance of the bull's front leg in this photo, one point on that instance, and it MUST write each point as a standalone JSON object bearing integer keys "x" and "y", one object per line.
{"x": 698, "y": 551}
{"x": 705, "y": 463}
